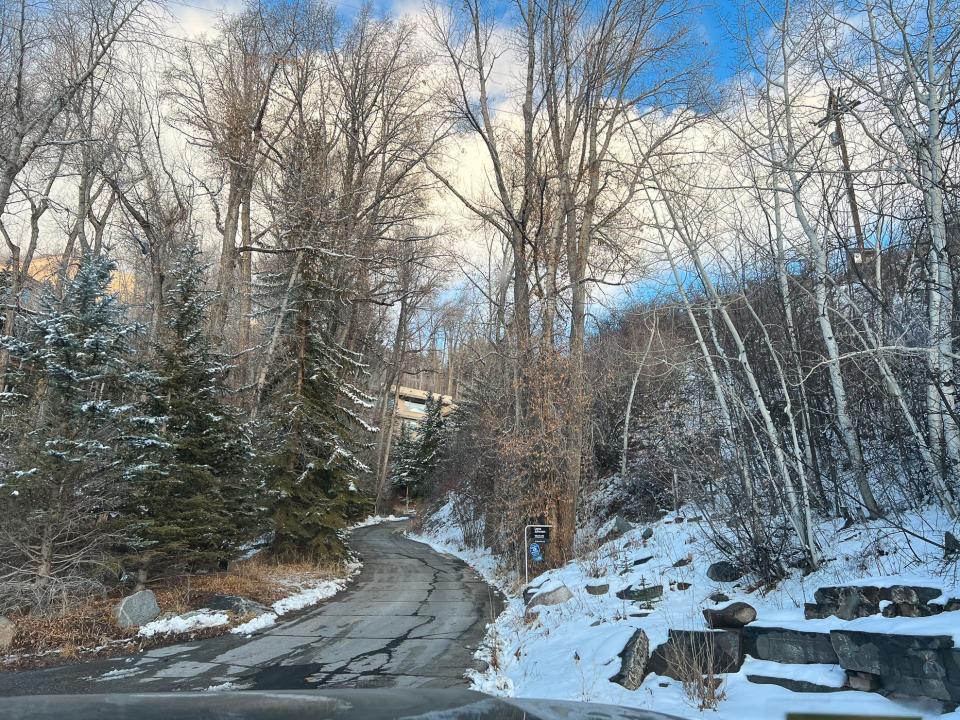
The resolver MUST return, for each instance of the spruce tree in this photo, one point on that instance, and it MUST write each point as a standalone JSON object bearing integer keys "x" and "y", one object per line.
{"x": 314, "y": 466}
{"x": 68, "y": 401}
{"x": 190, "y": 503}
{"x": 419, "y": 453}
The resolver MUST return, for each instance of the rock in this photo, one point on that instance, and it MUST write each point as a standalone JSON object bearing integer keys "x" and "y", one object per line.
{"x": 924, "y": 666}
{"x": 863, "y": 681}
{"x": 137, "y": 609}
{"x": 804, "y": 686}
{"x": 641, "y": 593}
{"x": 952, "y": 605}
{"x": 556, "y": 596}
{"x": 683, "y": 562}
{"x": 684, "y": 586}
{"x": 646, "y": 534}
{"x": 633, "y": 661}
{"x": 689, "y": 652}
{"x": 718, "y": 597}
{"x": 530, "y": 590}
{"x": 236, "y": 604}
{"x": 846, "y": 602}
{"x": 598, "y": 589}
{"x": 8, "y": 630}
{"x": 642, "y": 561}
{"x": 788, "y": 646}
{"x": 617, "y": 527}
{"x": 731, "y": 617}
{"x": 724, "y": 571}
{"x": 951, "y": 546}
{"x": 913, "y": 594}
{"x": 596, "y": 623}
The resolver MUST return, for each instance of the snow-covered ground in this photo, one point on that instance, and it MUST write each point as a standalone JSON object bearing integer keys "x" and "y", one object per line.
{"x": 377, "y": 519}
{"x": 571, "y": 650}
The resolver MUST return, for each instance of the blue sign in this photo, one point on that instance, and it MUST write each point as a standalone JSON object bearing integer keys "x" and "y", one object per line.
{"x": 536, "y": 552}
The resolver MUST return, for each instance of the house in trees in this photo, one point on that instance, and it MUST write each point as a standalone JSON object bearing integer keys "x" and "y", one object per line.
{"x": 411, "y": 406}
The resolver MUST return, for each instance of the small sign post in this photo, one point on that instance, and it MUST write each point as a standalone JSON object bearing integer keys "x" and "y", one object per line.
{"x": 538, "y": 536}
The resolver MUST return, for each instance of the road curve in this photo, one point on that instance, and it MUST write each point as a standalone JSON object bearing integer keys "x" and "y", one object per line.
{"x": 412, "y": 618}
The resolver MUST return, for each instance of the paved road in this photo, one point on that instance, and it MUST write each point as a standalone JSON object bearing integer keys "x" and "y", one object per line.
{"x": 412, "y": 618}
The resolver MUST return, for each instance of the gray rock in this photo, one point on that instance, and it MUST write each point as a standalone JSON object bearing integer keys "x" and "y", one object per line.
{"x": 137, "y": 609}
{"x": 788, "y": 646}
{"x": 530, "y": 590}
{"x": 719, "y": 597}
{"x": 236, "y": 604}
{"x": 924, "y": 666}
{"x": 639, "y": 593}
{"x": 556, "y": 596}
{"x": 703, "y": 651}
{"x": 953, "y": 604}
{"x": 724, "y": 571}
{"x": 8, "y": 631}
{"x": 683, "y": 562}
{"x": 598, "y": 589}
{"x": 633, "y": 661}
{"x": 731, "y": 617}
{"x": 643, "y": 561}
{"x": 804, "y": 686}
{"x": 618, "y": 527}
{"x": 647, "y": 533}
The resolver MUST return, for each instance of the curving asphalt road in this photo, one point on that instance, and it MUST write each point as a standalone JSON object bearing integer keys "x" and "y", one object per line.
{"x": 412, "y": 618}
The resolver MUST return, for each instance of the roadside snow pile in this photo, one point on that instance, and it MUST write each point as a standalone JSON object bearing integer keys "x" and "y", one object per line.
{"x": 304, "y": 597}
{"x": 189, "y": 622}
{"x": 445, "y": 535}
{"x": 570, "y": 650}
{"x": 377, "y": 519}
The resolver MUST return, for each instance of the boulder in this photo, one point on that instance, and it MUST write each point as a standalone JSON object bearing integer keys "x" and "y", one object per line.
{"x": 639, "y": 593}
{"x": 697, "y": 651}
{"x": 615, "y": 528}
{"x": 788, "y": 646}
{"x": 953, "y": 604}
{"x": 924, "y": 666}
{"x": 731, "y": 617}
{"x": 530, "y": 590}
{"x": 724, "y": 571}
{"x": 137, "y": 609}
{"x": 556, "y": 596}
{"x": 633, "y": 661}
{"x": 684, "y": 586}
{"x": 643, "y": 561}
{"x": 683, "y": 562}
{"x": 236, "y": 604}
{"x": 646, "y": 534}
{"x": 846, "y": 602}
{"x": 802, "y": 686}
{"x": 598, "y": 589}
{"x": 718, "y": 597}
{"x": 7, "y": 632}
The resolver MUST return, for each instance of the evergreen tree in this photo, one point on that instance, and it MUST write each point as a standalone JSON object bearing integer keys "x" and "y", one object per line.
{"x": 314, "y": 466}
{"x": 404, "y": 459}
{"x": 190, "y": 504}
{"x": 71, "y": 381}
{"x": 418, "y": 454}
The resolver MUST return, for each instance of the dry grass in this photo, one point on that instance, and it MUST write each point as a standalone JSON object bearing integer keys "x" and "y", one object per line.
{"x": 91, "y": 629}
{"x": 693, "y": 664}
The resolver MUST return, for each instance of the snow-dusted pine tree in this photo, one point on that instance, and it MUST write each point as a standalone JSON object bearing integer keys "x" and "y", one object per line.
{"x": 315, "y": 434}
{"x": 67, "y": 402}
{"x": 190, "y": 503}
{"x": 419, "y": 453}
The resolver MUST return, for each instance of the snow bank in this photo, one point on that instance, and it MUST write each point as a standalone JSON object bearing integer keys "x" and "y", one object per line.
{"x": 377, "y": 519}
{"x": 196, "y": 620}
{"x": 571, "y": 650}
